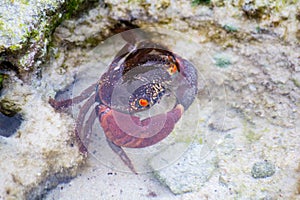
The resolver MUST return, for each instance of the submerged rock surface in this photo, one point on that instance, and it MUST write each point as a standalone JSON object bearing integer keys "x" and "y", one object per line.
{"x": 247, "y": 54}
{"x": 190, "y": 172}
{"x": 37, "y": 146}
{"x": 41, "y": 153}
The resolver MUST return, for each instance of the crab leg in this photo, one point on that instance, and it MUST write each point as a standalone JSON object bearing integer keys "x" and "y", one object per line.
{"x": 122, "y": 154}
{"x": 59, "y": 105}
{"x": 121, "y": 54}
{"x": 87, "y": 130}
{"x": 118, "y": 150}
{"x": 79, "y": 122}
{"x": 133, "y": 36}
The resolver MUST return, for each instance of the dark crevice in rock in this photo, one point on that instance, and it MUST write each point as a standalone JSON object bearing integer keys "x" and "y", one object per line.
{"x": 9, "y": 125}
{"x": 7, "y": 66}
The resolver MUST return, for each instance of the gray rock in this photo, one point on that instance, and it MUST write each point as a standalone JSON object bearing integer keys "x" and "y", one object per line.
{"x": 25, "y": 28}
{"x": 263, "y": 169}
{"x": 41, "y": 153}
{"x": 190, "y": 172}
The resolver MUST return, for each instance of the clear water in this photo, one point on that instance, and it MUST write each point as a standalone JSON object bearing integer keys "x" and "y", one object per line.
{"x": 185, "y": 130}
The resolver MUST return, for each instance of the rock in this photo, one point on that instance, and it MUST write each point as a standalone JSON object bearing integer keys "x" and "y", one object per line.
{"x": 88, "y": 30}
{"x": 254, "y": 10}
{"x": 220, "y": 122}
{"x": 281, "y": 75}
{"x": 190, "y": 172}
{"x": 263, "y": 169}
{"x": 25, "y": 28}
{"x": 41, "y": 153}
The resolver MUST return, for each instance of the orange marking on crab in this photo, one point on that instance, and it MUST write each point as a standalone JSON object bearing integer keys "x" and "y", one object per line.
{"x": 173, "y": 66}
{"x": 143, "y": 102}
{"x": 173, "y": 69}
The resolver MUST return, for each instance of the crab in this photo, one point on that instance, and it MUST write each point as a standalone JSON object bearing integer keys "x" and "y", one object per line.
{"x": 140, "y": 75}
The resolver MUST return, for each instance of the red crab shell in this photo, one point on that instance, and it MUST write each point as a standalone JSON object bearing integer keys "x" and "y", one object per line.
{"x": 119, "y": 125}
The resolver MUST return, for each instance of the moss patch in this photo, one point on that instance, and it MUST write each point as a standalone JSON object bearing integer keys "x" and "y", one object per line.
{"x": 199, "y": 2}
{"x": 222, "y": 61}
{"x": 253, "y": 136}
{"x": 9, "y": 108}
{"x": 296, "y": 83}
{"x": 230, "y": 28}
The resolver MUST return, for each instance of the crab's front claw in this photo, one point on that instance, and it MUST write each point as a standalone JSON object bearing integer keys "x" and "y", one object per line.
{"x": 186, "y": 83}
{"x": 130, "y": 131}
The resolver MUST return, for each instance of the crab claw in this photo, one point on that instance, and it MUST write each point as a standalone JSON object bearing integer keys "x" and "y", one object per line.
{"x": 130, "y": 131}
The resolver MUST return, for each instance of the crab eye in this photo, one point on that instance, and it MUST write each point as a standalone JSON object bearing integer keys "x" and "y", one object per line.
{"x": 172, "y": 69}
{"x": 143, "y": 102}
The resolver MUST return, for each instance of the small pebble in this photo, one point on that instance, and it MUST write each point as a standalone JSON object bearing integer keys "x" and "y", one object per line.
{"x": 262, "y": 169}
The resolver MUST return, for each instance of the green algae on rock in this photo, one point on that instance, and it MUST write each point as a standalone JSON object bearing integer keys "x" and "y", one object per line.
{"x": 222, "y": 61}
{"x": 1, "y": 81}
{"x": 9, "y": 108}
{"x": 10, "y": 118}
{"x": 25, "y": 28}
{"x": 199, "y": 2}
